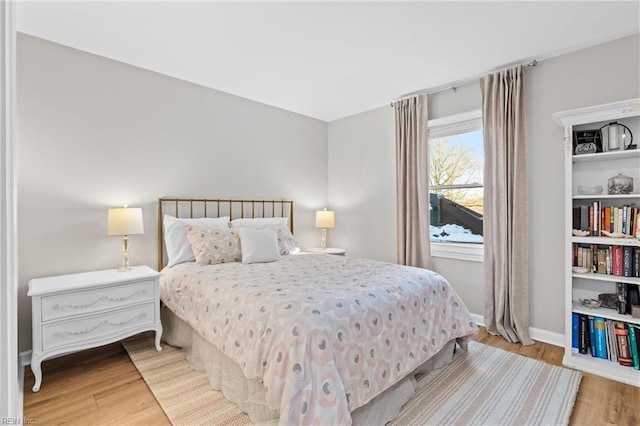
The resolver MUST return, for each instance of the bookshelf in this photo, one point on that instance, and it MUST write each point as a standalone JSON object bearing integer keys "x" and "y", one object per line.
{"x": 591, "y": 170}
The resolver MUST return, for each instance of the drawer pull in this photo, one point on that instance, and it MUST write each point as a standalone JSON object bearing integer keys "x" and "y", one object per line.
{"x": 104, "y": 322}
{"x": 101, "y": 299}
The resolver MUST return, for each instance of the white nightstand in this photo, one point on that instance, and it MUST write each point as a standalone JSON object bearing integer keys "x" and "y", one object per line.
{"x": 81, "y": 311}
{"x": 328, "y": 250}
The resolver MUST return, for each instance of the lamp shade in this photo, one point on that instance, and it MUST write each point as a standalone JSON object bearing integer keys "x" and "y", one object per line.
{"x": 324, "y": 219}
{"x": 125, "y": 221}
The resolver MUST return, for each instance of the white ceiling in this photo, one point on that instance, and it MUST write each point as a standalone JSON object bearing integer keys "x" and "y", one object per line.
{"x": 327, "y": 59}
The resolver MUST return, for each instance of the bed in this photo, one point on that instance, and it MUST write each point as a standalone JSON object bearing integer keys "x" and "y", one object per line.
{"x": 306, "y": 338}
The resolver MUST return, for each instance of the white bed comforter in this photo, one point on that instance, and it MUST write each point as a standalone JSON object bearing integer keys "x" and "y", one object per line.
{"x": 324, "y": 334}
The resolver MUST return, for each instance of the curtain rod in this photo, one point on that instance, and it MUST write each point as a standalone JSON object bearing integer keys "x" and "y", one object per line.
{"x": 454, "y": 86}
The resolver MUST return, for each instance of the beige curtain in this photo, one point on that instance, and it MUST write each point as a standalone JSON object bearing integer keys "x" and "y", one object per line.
{"x": 412, "y": 182}
{"x": 506, "y": 306}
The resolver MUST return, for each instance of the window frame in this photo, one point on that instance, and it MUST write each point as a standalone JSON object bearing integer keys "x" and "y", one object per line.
{"x": 447, "y": 126}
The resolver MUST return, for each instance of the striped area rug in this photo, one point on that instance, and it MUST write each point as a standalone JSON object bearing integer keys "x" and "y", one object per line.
{"x": 490, "y": 386}
{"x": 484, "y": 386}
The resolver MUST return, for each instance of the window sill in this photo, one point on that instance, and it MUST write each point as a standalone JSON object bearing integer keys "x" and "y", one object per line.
{"x": 459, "y": 251}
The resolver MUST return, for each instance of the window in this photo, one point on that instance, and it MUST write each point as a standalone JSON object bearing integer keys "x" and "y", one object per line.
{"x": 456, "y": 199}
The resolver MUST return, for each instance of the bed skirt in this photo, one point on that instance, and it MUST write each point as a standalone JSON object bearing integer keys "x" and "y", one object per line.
{"x": 249, "y": 394}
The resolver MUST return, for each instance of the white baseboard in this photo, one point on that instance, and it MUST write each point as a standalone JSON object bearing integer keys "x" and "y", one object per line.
{"x": 479, "y": 319}
{"x": 538, "y": 334}
{"x": 550, "y": 337}
{"x": 25, "y": 358}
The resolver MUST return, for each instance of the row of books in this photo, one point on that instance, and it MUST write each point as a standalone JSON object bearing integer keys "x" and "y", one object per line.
{"x": 616, "y": 341}
{"x": 615, "y": 219}
{"x": 622, "y": 261}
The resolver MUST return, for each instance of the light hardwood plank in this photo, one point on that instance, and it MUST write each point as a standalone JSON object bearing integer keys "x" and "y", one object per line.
{"x": 99, "y": 386}
{"x": 102, "y": 387}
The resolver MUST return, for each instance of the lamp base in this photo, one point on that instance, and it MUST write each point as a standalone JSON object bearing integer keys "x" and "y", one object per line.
{"x": 125, "y": 255}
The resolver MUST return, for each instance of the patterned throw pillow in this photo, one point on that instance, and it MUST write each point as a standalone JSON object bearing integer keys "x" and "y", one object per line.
{"x": 175, "y": 239}
{"x": 213, "y": 246}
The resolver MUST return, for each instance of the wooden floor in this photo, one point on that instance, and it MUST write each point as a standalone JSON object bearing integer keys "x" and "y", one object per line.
{"x": 101, "y": 386}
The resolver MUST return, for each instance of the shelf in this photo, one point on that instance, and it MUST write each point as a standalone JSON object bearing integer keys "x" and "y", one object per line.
{"x": 606, "y": 277}
{"x": 605, "y": 197}
{"x": 607, "y": 241}
{"x": 604, "y": 156}
{"x": 603, "y": 312}
{"x": 602, "y": 367}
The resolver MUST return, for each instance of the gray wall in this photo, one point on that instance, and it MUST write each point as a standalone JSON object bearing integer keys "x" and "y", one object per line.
{"x": 362, "y": 184}
{"x": 94, "y": 133}
{"x": 579, "y": 79}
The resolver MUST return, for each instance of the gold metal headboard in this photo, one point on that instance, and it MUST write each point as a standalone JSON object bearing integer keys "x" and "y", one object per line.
{"x": 204, "y": 207}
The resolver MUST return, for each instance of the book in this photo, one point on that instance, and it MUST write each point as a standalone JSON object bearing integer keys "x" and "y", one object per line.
{"x": 622, "y": 297}
{"x": 612, "y": 350}
{"x": 583, "y": 334}
{"x": 601, "y": 255}
{"x": 637, "y": 330}
{"x": 616, "y": 260}
{"x": 633, "y": 344}
{"x": 592, "y": 337}
{"x": 575, "y": 321}
{"x": 576, "y": 218}
{"x": 601, "y": 339}
{"x": 622, "y": 340}
{"x": 612, "y": 219}
{"x": 627, "y": 261}
{"x": 584, "y": 218}
{"x": 607, "y": 339}
{"x": 636, "y": 262}
{"x": 633, "y": 297}
{"x": 579, "y": 256}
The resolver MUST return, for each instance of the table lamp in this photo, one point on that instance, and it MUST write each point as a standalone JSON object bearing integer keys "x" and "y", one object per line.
{"x": 125, "y": 221}
{"x": 324, "y": 220}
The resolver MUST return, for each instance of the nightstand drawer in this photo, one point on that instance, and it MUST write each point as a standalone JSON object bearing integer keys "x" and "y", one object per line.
{"x": 93, "y": 328}
{"x": 95, "y": 300}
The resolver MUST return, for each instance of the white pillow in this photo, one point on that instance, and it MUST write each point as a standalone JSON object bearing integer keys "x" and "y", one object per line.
{"x": 258, "y": 245}
{"x": 175, "y": 240}
{"x": 259, "y": 222}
